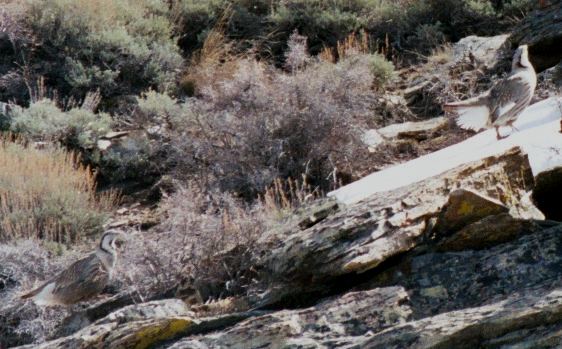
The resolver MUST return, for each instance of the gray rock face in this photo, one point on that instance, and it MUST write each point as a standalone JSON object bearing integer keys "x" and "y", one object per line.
{"x": 142, "y": 326}
{"x": 485, "y": 50}
{"x": 497, "y": 325}
{"x": 336, "y": 323}
{"x": 444, "y": 281}
{"x": 360, "y": 237}
{"x": 542, "y": 31}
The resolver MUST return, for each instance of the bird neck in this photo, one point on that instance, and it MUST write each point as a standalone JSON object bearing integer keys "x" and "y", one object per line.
{"x": 107, "y": 258}
{"x": 522, "y": 63}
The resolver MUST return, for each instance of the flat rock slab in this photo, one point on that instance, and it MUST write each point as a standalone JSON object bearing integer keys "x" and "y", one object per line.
{"x": 359, "y": 237}
{"x": 137, "y": 334}
{"x": 420, "y": 130}
{"x": 115, "y": 134}
{"x": 478, "y": 327}
{"x": 335, "y": 323}
{"x": 538, "y": 136}
{"x": 143, "y": 325}
{"x": 488, "y": 232}
{"x": 160, "y": 309}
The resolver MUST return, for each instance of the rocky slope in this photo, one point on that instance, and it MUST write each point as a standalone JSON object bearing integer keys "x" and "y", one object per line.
{"x": 459, "y": 258}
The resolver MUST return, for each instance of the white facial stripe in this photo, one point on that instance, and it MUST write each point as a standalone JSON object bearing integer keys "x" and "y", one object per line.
{"x": 107, "y": 242}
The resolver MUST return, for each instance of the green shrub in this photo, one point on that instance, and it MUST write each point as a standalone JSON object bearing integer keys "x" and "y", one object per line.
{"x": 153, "y": 105}
{"x": 47, "y": 194}
{"x": 135, "y": 160}
{"x": 323, "y": 23}
{"x": 45, "y": 121}
{"x": 381, "y": 69}
{"x": 193, "y": 19}
{"x": 114, "y": 46}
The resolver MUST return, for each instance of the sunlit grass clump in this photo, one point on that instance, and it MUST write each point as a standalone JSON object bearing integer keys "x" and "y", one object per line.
{"x": 48, "y": 194}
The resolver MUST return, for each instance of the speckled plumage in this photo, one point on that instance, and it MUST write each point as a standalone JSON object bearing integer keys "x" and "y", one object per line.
{"x": 504, "y": 102}
{"x": 84, "y": 279}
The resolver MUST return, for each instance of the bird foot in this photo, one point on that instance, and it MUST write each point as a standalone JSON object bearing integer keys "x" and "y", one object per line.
{"x": 499, "y": 137}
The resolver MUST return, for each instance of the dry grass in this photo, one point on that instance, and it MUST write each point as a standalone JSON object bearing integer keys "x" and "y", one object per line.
{"x": 352, "y": 45}
{"x": 214, "y": 62}
{"x": 287, "y": 195}
{"x": 101, "y": 14}
{"x": 47, "y": 194}
{"x": 441, "y": 55}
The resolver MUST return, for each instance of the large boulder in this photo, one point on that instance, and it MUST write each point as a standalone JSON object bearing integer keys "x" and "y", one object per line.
{"x": 360, "y": 237}
{"x": 486, "y": 51}
{"x": 542, "y": 31}
{"x": 548, "y": 193}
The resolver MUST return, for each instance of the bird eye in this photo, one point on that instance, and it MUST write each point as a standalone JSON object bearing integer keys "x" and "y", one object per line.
{"x": 118, "y": 243}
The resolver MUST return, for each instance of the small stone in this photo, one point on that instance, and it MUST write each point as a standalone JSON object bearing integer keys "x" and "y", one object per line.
{"x": 40, "y": 145}
{"x": 415, "y": 130}
{"x": 103, "y": 144}
{"x": 372, "y": 139}
{"x": 115, "y": 134}
{"x": 153, "y": 130}
{"x": 118, "y": 223}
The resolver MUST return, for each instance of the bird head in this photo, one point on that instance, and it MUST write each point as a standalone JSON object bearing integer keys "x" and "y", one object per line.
{"x": 112, "y": 241}
{"x": 521, "y": 58}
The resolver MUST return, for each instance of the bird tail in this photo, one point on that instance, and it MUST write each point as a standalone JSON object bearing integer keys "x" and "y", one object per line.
{"x": 32, "y": 293}
{"x": 471, "y": 114}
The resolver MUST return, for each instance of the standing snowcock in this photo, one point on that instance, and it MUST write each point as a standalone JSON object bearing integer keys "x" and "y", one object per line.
{"x": 503, "y": 103}
{"x": 85, "y": 278}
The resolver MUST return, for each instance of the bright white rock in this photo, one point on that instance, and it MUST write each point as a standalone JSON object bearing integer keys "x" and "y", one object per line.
{"x": 539, "y": 136}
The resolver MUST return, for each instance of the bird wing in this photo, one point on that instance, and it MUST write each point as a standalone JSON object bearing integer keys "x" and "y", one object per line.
{"x": 80, "y": 274}
{"x": 509, "y": 97}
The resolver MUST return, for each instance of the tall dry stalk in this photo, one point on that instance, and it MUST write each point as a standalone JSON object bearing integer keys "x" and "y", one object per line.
{"x": 286, "y": 195}
{"x": 215, "y": 61}
{"x": 353, "y": 44}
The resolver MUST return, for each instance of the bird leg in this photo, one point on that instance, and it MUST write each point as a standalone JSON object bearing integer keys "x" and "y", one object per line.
{"x": 498, "y": 136}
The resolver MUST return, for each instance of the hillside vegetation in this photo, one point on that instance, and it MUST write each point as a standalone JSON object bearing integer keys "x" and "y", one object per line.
{"x": 214, "y": 121}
